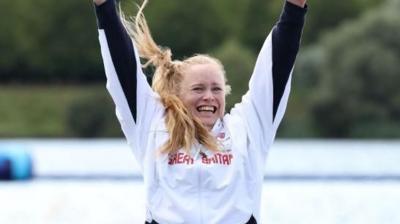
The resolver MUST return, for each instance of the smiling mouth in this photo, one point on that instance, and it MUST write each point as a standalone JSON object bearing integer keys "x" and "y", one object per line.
{"x": 211, "y": 109}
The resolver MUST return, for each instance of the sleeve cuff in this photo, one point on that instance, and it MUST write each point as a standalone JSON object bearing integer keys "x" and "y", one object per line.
{"x": 294, "y": 12}
{"x": 103, "y": 11}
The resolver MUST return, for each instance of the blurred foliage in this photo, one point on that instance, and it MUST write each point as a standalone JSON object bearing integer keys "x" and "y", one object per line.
{"x": 39, "y": 111}
{"x": 239, "y": 62}
{"x": 344, "y": 83}
{"x": 48, "y": 42}
{"x": 325, "y": 15}
{"x": 186, "y": 28}
{"x": 92, "y": 116}
{"x": 355, "y": 73}
{"x": 52, "y": 42}
{"x": 57, "y": 111}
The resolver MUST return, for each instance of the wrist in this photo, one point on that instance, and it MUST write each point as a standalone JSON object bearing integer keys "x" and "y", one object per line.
{"x": 300, "y": 3}
{"x": 99, "y": 2}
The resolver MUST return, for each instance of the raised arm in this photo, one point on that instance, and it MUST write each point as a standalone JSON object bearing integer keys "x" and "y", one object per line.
{"x": 134, "y": 100}
{"x": 285, "y": 45}
{"x": 263, "y": 106}
{"x": 114, "y": 38}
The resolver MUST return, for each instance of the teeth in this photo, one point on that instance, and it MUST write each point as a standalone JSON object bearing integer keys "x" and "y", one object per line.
{"x": 206, "y": 108}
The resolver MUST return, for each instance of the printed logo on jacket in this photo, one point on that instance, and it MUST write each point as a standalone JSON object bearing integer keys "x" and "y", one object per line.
{"x": 223, "y": 157}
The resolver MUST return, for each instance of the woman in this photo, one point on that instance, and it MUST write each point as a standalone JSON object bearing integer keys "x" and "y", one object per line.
{"x": 199, "y": 164}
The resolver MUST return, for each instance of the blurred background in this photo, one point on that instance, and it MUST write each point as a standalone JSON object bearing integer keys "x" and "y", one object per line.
{"x": 341, "y": 128}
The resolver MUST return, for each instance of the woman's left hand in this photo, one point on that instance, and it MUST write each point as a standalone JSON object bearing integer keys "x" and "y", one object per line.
{"x": 300, "y": 3}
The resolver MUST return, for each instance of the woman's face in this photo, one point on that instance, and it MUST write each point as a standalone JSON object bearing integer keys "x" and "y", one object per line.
{"x": 203, "y": 92}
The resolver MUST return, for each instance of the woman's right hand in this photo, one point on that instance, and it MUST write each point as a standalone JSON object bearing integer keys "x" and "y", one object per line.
{"x": 99, "y": 2}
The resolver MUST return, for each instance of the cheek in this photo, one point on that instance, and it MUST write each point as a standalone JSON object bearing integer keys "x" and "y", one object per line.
{"x": 189, "y": 100}
{"x": 221, "y": 100}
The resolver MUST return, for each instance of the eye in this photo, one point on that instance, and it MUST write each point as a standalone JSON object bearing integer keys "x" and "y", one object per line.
{"x": 216, "y": 89}
{"x": 197, "y": 89}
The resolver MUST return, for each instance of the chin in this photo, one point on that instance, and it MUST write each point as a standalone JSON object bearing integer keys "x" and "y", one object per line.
{"x": 209, "y": 124}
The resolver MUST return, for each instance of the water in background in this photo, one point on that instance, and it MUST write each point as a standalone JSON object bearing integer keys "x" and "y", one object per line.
{"x": 98, "y": 181}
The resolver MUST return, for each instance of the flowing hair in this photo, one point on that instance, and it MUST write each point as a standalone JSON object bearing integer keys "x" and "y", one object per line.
{"x": 184, "y": 128}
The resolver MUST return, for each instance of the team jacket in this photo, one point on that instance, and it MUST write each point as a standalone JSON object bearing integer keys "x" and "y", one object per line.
{"x": 202, "y": 186}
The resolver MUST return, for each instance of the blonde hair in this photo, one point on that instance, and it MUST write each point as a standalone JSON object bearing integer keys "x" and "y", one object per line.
{"x": 184, "y": 128}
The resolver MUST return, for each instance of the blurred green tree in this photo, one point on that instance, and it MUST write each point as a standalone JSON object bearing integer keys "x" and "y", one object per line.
{"x": 238, "y": 62}
{"x": 186, "y": 28}
{"x": 325, "y": 15}
{"x": 92, "y": 116}
{"x": 52, "y": 42}
{"x": 261, "y": 15}
{"x": 48, "y": 41}
{"x": 358, "y": 76}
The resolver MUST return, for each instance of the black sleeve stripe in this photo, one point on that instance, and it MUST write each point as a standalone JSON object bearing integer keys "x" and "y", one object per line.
{"x": 285, "y": 45}
{"x": 121, "y": 50}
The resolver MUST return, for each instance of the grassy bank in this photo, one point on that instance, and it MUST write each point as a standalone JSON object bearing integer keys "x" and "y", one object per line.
{"x": 41, "y": 111}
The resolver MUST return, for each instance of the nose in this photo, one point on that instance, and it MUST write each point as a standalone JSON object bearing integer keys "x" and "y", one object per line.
{"x": 208, "y": 95}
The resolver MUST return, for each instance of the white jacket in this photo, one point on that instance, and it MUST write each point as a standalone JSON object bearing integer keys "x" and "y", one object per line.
{"x": 200, "y": 187}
